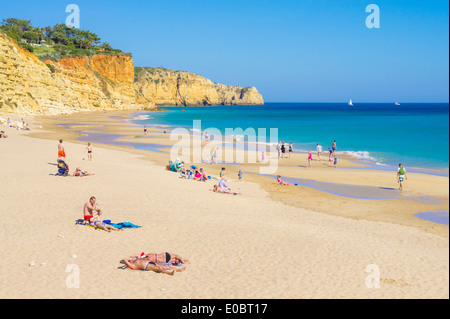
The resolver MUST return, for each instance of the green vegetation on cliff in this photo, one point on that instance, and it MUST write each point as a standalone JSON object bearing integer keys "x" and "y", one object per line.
{"x": 57, "y": 41}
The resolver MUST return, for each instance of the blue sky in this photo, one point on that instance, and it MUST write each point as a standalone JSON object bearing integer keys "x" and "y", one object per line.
{"x": 292, "y": 51}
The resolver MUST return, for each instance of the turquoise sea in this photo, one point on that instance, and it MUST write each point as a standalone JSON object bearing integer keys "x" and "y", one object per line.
{"x": 415, "y": 134}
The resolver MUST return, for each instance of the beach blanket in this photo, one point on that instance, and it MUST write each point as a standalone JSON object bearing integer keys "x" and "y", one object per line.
{"x": 125, "y": 225}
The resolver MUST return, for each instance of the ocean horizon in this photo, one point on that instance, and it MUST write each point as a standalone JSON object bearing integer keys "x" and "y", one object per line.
{"x": 415, "y": 134}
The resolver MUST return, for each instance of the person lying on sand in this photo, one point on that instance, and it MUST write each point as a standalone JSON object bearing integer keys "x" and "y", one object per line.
{"x": 3, "y": 134}
{"x": 105, "y": 227}
{"x": 165, "y": 257}
{"x": 148, "y": 265}
{"x": 91, "y": 211}
{"x": 79, "y": 173}
{"x": 280, "y": 182}
{"x": 217, "y": 189}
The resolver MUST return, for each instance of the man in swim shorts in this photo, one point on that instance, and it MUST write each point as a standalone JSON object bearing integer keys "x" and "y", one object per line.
{"x": 91, "y": 211}
{"x": 61, "y": 150}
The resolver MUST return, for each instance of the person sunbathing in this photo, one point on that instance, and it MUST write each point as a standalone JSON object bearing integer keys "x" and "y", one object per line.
{"x": 105, "y": 227}
{"x": 166, "y": 257}
{"x": 148, "y": 265}
{"x": 217, "y": 189}
{"x": 280, "y": 182}
{"x": 3, "y": 134}
{"x": 79, "y": 173}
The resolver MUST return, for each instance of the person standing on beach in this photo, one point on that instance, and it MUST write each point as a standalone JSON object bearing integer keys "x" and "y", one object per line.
{"x": 330, "y": 157}
{"x": 334, "y": 148}
{"x": 291, "y": 149}
{"x": 309, "y": 159}
{"x": 145, "y": 130}
{"x": 283, "y": 150}
{"x": 206, "y": 137}
{"x": 89, "y": 151}
{"x": 335, "y": 161}
{"x": 319, "y": 151}
{"x": 279, "y": 149}
{"x": 401, "y": 175}
{"x": 61, "y": 150}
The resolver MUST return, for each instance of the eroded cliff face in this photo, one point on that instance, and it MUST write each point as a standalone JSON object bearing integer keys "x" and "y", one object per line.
{"x": 30, "y": 86}
{"x": 102, "y": 82}
{"x": 179, "y": 88}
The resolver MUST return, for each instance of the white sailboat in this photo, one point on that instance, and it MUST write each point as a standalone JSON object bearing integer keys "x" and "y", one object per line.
{"x": 350, "y": 103}
{"x": 396, "y": 103}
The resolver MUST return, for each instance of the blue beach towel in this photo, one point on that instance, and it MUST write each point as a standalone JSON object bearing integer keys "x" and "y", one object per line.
{"x": 125, "y": 225}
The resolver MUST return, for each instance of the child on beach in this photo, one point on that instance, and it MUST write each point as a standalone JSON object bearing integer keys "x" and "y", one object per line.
{"x": 240, "y": 175}
{"x": 309, "y": 159}
{"x": 145, "y": 130}
{"x": 222, "y": 173}
{"x": 330, "y": 159}
{"x": 280, "y": 182}
{"x": 335, "y": 162}
{"x": 89, "y": 151}
{"x": 197, "y": 176}
{"x": 61, "y": 150}
{"x": 291, "y": 149}
{"x": 79, "y": 173}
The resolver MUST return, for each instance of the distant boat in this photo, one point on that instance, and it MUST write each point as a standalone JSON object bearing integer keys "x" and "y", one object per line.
{"x": 350, "y": 103}
{"x": 396, "y": 103}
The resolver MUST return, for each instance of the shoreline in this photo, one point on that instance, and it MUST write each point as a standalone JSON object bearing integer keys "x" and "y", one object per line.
{"x": 328, "y": 251}
{"x": 129, "y": 135}
{"x": 359, "y": 156}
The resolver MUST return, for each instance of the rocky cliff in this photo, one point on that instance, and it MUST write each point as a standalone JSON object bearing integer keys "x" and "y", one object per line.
{"x": 179, "y": 88}
{"x": 30, "y": 86}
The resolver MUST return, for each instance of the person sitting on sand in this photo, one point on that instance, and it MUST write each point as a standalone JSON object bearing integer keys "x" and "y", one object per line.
{"x": 165, "y": 257}
{"x": 91, "y": 211}
{"x": 79, "y": 173}
{"x": 3, "y": 134}
{"x": 280, "y": 182}
{"x": 147, "y": 265}
{"x": 197, "y": 176}
{"x": 204, "y": 177}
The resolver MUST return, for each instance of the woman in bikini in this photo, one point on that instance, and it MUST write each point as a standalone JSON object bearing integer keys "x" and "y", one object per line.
{"x": 148, "y": 265}
{"x": 166, "y": 258}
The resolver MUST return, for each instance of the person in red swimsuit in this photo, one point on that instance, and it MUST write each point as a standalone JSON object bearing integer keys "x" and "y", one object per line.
{"x": 91, "y": 211}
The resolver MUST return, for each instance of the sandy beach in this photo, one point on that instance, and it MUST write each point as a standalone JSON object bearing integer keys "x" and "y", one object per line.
{"x": 271, "y": 242}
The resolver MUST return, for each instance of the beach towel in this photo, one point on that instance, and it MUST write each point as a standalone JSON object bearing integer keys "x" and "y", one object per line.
{"x": 125, "y": 225}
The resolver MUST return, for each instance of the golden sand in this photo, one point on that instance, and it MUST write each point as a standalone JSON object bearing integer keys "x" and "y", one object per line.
{"x": 270, "y": 242}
